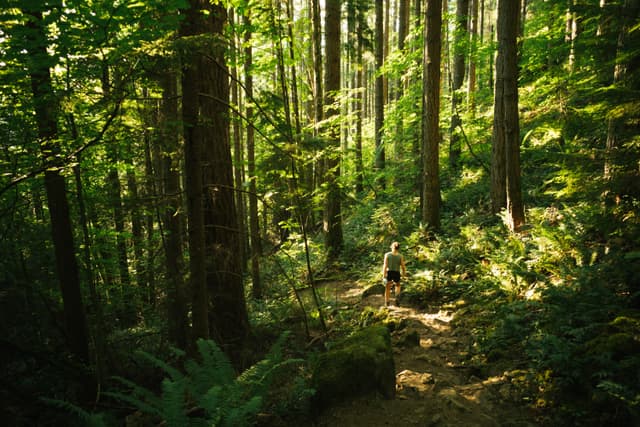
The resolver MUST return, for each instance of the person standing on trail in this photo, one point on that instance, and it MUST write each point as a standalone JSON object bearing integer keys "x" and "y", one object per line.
{"x": 393, "y": 262}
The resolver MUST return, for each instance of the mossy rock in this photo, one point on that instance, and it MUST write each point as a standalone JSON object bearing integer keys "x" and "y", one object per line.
{"x": 358, "y": 365}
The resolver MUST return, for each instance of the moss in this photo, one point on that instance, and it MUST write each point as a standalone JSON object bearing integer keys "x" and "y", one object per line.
{"x": 360, "y": 364}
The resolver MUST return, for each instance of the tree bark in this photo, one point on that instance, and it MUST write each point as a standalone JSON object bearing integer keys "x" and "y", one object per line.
{"x": 238, "y": 152}
{"x": 616, "y": 128}
{"x": 473, "y": 30}
{"x": 359, "y": 104}
{"x": 333, "y": 224}
{"x": 508, "y": 20}
{"x": 55, "y": 186}
{"x": 194, "y": 66}
{"x": 172, "y": 213}
{"x": 460, "y": 44}
{"x": 379, "y": 90}
{"x": 210, "y": 190}
{"x": 254, "y": 220}
{"x": 431, "y": 115}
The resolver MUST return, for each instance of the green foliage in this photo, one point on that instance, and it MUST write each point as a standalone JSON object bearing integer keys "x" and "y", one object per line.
{"x": 84, "y": 418}
{"x": 208, "y": 392}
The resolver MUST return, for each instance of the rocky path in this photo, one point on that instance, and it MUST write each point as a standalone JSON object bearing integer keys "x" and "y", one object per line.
{"x": 433, "y": 386}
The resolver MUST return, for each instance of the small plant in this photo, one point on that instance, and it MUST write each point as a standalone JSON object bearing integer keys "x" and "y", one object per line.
{"x": 209, "y": 392}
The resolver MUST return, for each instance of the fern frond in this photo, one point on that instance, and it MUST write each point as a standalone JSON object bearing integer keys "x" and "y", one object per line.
{"x": 173, "y": 373}
{"x": 243, "y": 414}
{"x": 86, "y": 418}
{"x": 140, "y": 398}
{"x": 215, "y": 369}
{"x": 173, "y": 403}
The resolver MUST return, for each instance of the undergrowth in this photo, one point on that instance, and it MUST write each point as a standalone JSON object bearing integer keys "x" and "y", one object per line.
{"x": 208, "y": 391}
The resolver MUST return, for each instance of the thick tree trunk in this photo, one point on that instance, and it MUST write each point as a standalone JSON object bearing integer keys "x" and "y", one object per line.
{"x": 194, "y": 66}
{"x": 55, "y": 186}
{"x": 508, "y": 19}
{"x": 498, "y": 152}
{"x": 431, "y": 115}
{"x": 210, "y": 172}
{"x": 333, "y": 224}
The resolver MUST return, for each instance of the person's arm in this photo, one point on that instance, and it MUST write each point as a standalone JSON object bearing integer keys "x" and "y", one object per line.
{"x": 404, "y": 268}
{"x": 384, "y": 267}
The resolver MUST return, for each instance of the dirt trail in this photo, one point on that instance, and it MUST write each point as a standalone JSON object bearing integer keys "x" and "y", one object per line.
{"x": 433, "y": 387}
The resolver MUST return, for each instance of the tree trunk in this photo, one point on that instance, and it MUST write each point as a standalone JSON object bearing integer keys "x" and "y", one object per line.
{"x": 193, "y": 76}
{"x": 460, "y": 43}
{"x": 172, "y": 213}
{"x": 114, "y": 188}
{"x": 359, "y": 104}
{"x": 473, "y": 30}
{"x": 254, "y": 220}
{"x": 333, "y": 225}
{"x": 228, "y": 319}
{"x": 55, "y": 186}
{"x": 498, "y": 151}
{"x": 238, "y": 152}
{"x": 133, "y": 204}
{"x": 431, "y": 115}
{"x": 379, "y": 90}
{"x": 616, "y": 127}
{"x": 317, "y": 61}
{"x": 508, "y": 19}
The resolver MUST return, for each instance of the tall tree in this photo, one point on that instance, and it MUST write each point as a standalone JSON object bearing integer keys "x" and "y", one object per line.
{"x": 254, "y": 222}
{"x": 46, "y": 111}
{"x": 238, "y": 152}
{"x": 228, "y": 319}
{"x": 360, "y": 94}
{"x": 213, "y": 234}
{"x": 431, "y": 115}
{"x": 473, "y": 50}
{"x": 506, "y": 105}
{"x": 195, "y": 82}
{"x": 460, "y": 44}
{"x": 626, "y": 61}
{"x": 172, "y": 213}
{"x": 333, "y": 224}
{"x": 379, "y": 88}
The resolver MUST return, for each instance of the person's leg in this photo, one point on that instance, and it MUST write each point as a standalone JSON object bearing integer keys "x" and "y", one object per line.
{"x": 397, "y": 289}
{"x": 387, "y": 292}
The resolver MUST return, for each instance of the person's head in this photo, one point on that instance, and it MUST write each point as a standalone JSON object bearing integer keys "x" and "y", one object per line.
{"x": 395, "y": 246}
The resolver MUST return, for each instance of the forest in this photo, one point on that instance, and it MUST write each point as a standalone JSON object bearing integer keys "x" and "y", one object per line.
{"x": 196, "y": 198}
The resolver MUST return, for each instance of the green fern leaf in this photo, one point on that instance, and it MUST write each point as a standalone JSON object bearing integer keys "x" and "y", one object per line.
{"x": 86, "y": 418}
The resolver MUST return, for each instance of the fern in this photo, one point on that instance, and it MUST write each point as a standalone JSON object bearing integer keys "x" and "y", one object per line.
{"x": 211, "y": 385}
{"x": 140, "y": 397}
{"x": 173, "y": 401}
{"x": 86, "y": 418}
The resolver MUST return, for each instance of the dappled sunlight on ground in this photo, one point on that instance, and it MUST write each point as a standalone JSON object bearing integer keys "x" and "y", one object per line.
{"x": 434, "y": 387}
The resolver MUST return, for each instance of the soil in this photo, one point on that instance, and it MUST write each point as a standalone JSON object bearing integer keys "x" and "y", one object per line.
{"x": 434, "y": 385}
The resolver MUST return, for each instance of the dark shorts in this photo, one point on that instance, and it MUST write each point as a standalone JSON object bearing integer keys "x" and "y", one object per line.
{"x": 393, "y": 276}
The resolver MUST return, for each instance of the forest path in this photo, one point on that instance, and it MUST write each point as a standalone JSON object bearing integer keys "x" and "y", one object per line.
{"x": 433, "y": 386}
